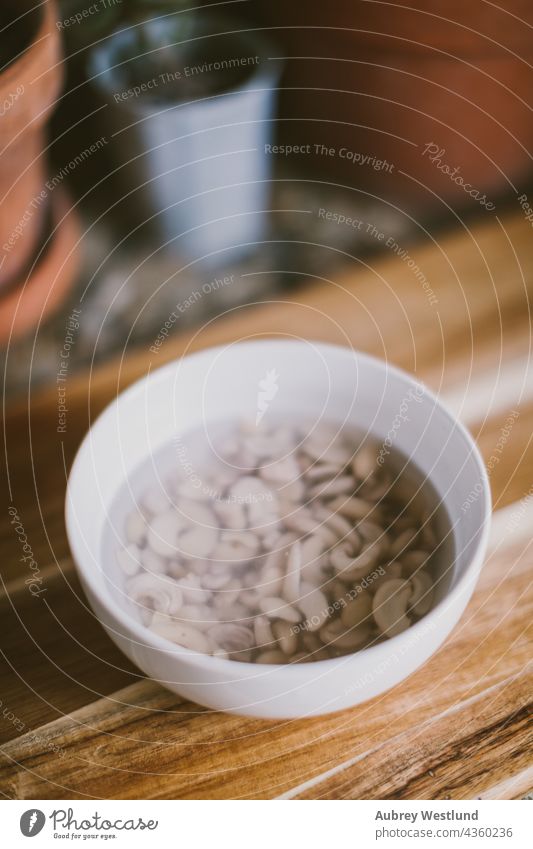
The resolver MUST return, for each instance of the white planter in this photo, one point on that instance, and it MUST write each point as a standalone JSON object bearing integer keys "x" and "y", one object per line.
{"x": 204, "y": 160}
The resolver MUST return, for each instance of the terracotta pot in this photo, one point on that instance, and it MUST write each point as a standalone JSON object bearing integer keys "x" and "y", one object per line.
{"x": 453, "y": 25}
{"x": 29, "y": 87}
{"x": 27, "y": 304}
{"x": 385, "y": 80}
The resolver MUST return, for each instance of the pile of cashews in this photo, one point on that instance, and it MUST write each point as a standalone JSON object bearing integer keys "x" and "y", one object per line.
{"x": 297, "y": 547}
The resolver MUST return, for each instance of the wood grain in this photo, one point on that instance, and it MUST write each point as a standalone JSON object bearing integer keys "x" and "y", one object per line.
{"x": 144, "y": 741}
{"x": 80, "y": 722}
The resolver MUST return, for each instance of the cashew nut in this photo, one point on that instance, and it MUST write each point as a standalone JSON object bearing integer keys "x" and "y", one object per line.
{"x": 159, "y": 594}
{"x": 231, "y": 637}
{"x": 291, "y": 582}
{"x": 390, "y": 605}
{"x": 277, "y": 608}
{"x": 422, "y": 593}
{"x": 129, "y": 559}
{"x": 183, "y": 634}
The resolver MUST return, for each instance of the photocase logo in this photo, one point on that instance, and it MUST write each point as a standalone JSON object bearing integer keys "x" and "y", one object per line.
{"x": 268, "y": 389}
{"x": 32, "y": 822}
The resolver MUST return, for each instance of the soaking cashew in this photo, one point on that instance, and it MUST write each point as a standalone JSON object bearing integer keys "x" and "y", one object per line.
{"x": 277, "y": 608}
{"x": 155, "y": 500}
{"x": 413, "y": 560}
{"x": 351, "y": 568}
{"x": 198, "y": 541}
{"x": 313, "y": 552}
{"x": 192, "y": 590}
{"x": 159, "y": 594}
{"x": 163, "y": 533}
{"x": 354, "y": 507}
{"x": 334, "y": 633}
{"x": 156, "y": 564}
{"x": 280, "y": 471}
{"x": 314, "y": 607}
{"x": 337, "y": 486}
{"x": 402, "y": 543}
{"x": 291, "y": 582}
{"x": 320, "y": 471}
{"x": 390, "y": 605}
{"x": 226, "y": 597}
{"x": 421, "y": 593}
{"x": 236, "y": 545}
{"x": 273, "y": 656}
{"x": 389, "y": 570}
{"x": 312, "y": 548}
{"x": 231, "y": 637}
{"x": 287, "y": 639}
{"x": 357, "y": 611}
{"x": 303, "y": 522}
{"x": 183, "y": 634}
{"x": 231, "y": 514}
{"x": 337, "y": 523}
{"x": 129, "y": 559}
{"x": 216, "y": 580}
{"x": 263, "y": 632}
{"x": 364, "y": 463}
{"x": 135, "y": 527}
{"x": 325, "y": 445}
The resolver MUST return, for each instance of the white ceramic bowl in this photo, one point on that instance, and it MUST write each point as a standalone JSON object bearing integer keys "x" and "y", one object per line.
{"x": 316, "y": 381}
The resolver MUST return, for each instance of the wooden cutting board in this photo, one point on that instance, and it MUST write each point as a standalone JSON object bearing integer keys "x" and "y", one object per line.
{"x": 77, "y": 720}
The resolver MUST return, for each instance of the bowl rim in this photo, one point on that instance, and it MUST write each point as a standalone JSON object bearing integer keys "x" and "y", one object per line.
{"x": 145, "y": 637}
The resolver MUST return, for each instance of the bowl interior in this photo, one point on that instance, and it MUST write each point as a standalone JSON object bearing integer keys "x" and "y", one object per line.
{"x": 314, "y": 382}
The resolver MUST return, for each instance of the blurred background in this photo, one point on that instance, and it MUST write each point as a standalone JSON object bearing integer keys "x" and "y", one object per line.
{"x": 162, "y": 163}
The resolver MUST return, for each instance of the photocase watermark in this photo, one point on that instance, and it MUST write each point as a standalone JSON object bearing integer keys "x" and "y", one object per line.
{"x": 186, "y": 73}
{"x": 32, "y": 822}
{"x": 11, "y": 99}
{"x": 89, "y": 11}
{"x": 34, "y": 205}
{"x": 313, "y": 622}
{"x": 71, "y": 166}
{"x": 65, "y": 824}
{"x": 73, "y": 325}
{"x": 436, "y": 155}
{"x": 188, "y": 468}
{"x": 526, "y": 207}
{"x": 268, "y": 389}
{"x": 33, "y": 737}
{"x": 391, "y": 243}
{"x": 356, "y": 157}
{"x": 195, "y": 481}
{"x": 339, "y": 218}
{"x": 369, "y": 229}
{"x": 400, "y": 417}
{"x": 184, "y": 305}
{"x": 64, "y": 819}
{"x": 51, "y": 184}
{"x": 493, "y": 460}
{"x": 518, "y": 514}
{"x": 34, "y": 580}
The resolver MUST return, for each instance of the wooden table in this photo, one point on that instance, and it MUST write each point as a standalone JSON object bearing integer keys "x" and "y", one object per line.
{"x": 79, "y": 721}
